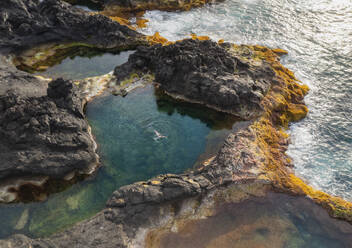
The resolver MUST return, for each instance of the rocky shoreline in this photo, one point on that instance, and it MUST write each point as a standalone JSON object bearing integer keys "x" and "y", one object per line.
{"x": 44, "y": 132}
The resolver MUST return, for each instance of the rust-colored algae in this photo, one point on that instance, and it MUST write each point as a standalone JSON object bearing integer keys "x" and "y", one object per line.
{"x": 122, "y": 21}
{"x": 141, "y": 23}
{"x": 195, "y": 37}
{"x": 158, "y": 39}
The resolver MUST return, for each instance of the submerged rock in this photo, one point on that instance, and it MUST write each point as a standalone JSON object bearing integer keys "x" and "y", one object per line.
{"x": 26, "y": 23}
{"x": 43, "y": 131}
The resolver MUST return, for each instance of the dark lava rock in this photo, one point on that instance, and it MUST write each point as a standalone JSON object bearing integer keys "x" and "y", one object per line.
{"x": 25, "y": 23}
{"x": 204, "y": 72}
{"x": 43, "y": 130}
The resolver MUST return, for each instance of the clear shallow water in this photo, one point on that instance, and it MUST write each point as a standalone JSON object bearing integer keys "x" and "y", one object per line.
{"x": 126, "y": 131}
{"x": 80, "y": 67}
{"x": 318, "y": 37}
{"x": 275, "y": 221}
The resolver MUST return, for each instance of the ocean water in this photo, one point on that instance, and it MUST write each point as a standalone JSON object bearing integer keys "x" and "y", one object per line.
{"x": 318, "y": 36}
{"x": 139, "y": 136}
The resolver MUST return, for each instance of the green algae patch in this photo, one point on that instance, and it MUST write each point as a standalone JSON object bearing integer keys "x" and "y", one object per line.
{"x": 45, "y": 56}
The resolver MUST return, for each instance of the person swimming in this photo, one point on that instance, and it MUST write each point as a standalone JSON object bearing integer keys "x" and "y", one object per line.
{"x": 158, "y": 135}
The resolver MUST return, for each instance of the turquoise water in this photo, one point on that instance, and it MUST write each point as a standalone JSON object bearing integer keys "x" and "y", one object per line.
{"x": 275, "y": 221}
{"x": 127, "y": 132}
{"x": 79, "y": 67}
{"x": 318, "y": 36}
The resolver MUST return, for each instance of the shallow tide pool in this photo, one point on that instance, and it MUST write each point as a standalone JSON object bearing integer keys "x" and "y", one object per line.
{"x": 140, "y": 136}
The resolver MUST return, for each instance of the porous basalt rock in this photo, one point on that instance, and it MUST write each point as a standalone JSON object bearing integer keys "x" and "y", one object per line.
{"x": 43, "y": 130}
{"x": 206, "y": 73}
{"x": 26, "y": 23}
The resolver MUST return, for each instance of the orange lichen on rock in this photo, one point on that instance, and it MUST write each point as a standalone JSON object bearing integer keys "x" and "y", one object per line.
{"x": 122, "y": 21}
{"x": 221, "y": 41}
{"x": 141, "y": 23}
{"x": 158, "y": 39}
{"x": 195, "y": 37}
{"x": 337, "y": 207}
{"x": 279, "y": 51}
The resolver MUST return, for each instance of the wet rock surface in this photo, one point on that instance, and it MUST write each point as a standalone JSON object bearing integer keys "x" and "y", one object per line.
{"x": 43, "y": 130}
{"x": 204, "y": 72}
{"x": 26, "y": 23}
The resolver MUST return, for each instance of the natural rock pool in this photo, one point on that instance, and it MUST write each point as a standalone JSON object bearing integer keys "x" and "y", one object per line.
{"x": 139, "y": 136}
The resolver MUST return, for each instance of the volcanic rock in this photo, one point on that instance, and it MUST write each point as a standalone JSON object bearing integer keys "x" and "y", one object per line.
{"x": 26, "y": 23}
{"x": 43, "y": 130}
{"x": 204, "y": 72}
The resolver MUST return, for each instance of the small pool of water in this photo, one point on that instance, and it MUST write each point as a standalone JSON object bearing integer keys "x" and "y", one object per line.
{"x": 277, "y": 220}
{"x": 79, "y": 67}
{"x": 139, "y": 136}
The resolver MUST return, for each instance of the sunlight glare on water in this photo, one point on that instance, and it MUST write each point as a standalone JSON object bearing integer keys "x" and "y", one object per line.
{"x": 318, "y": 37}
